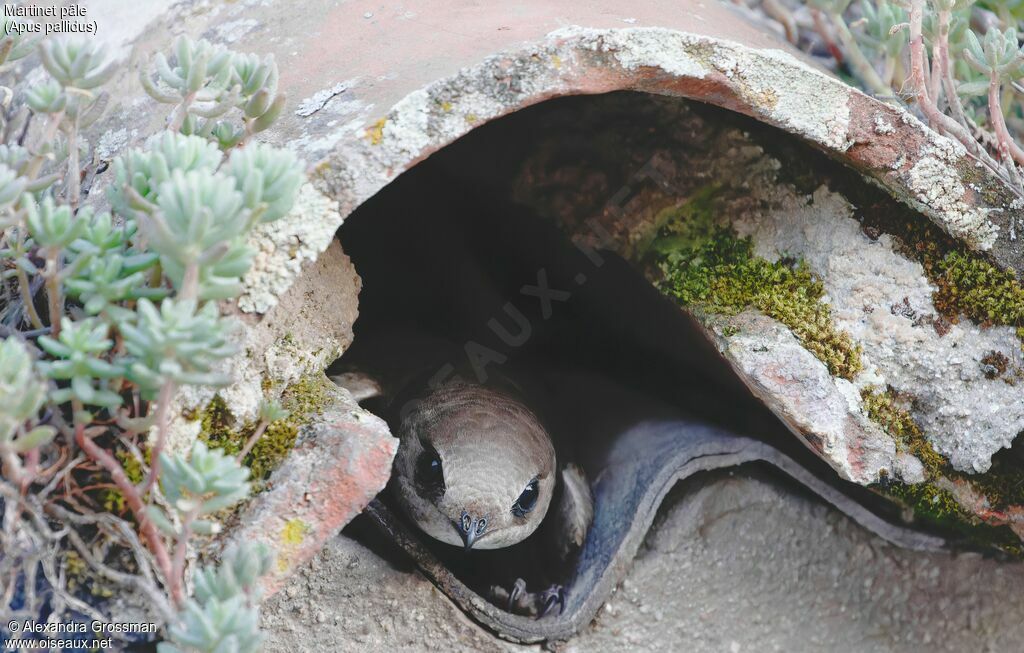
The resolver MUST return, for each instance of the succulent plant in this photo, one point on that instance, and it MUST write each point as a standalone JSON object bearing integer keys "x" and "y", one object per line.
{"x": 215, "y": 626}
{"x": 14, "y": 157}
{"x": 11, "y": 187}
{"x": 177, "y": 342}
{"x": 1000, "y": 53}
{"x": 24, "y": 393}
{"x": 222, "y": 615}
{"x": 269, "y": 179}
{"x": 204, "y": 482}
{"x": 51, "y": 224}
{"x": 79, "y": 353}
{"x": 100, "y": 233}
{"x": 238, "y": 573}
{"x": 200, "y": 223}
{"x": 225, "y": 134}
{"x": 103, "y": 282}
{"x": 880, "y": 18}
{"x": 201, "y": 72}
{"x": 14, "y": 43}
{"x": 261, "y": 104}
{"x": 272, "y": 411}
{"x": 139, "y": 173}
{"x": 77, "y": 62}
{"x": 47, "y": 97}
{"x": 139, "y": 276}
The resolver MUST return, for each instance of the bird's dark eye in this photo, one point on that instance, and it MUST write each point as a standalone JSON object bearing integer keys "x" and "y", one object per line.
{"x": 527, "y": 500}
{"x": 429, "y": 473}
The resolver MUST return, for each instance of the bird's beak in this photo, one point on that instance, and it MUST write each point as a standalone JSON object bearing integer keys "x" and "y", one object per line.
{"x": 470, "y": 528}
{"x": 470, "y": 536}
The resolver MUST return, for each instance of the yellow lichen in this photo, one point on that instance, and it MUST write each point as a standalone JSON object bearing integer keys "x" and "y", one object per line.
{"x": 376, "y": 131}
{"x": 294, "y": 532}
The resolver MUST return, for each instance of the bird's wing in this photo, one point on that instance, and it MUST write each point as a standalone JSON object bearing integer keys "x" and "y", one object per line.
{"x": 575, "y": 510}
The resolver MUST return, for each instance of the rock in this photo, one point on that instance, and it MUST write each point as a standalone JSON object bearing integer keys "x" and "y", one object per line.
{"x": 341, "y": 460}
{"x": 739, "y": 560}
{"x": 384, "y": 104}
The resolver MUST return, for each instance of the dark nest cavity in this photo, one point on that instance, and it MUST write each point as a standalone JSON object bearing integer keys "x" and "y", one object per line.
{"x": 445, "y": 252}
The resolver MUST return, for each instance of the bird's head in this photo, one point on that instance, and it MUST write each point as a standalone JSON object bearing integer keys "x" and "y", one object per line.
{"x": 475, "y": 468}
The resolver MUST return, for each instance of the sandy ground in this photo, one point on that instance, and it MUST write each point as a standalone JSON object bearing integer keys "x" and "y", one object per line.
{"x": 761, "y": 568}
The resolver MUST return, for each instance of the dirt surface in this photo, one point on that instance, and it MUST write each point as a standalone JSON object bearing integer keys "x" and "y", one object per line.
{"x": 760, "y": 568}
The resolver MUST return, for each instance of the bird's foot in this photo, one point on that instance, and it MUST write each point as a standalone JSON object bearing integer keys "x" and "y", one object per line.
{"x": 552, "y": 597}
{"x": 534, "y": 604}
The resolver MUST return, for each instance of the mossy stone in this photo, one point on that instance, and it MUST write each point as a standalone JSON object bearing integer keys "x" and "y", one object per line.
{"x": 708, "y": 266}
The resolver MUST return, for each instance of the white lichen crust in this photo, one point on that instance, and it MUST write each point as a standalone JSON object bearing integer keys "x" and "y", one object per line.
{"x": 284, "y": 246}
{"x": 824, "y": 410}
{"x": 884, "y": 301}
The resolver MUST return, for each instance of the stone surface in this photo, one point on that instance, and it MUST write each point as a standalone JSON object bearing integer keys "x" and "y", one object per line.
{"x": 370, "y": 110}
{"x": 884, "y": 301}
{"x": 307, "y": 329}
{"x": 758, "y": 567}
{"x": 341, "y": 460}
{"x": 824, "y": 410}
{"x": 876, "y": 294}
{"x": 376, "y": 88}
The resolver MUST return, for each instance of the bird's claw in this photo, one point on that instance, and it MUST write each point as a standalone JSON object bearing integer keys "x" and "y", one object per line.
{"x": 552, "y": 596}
{"x": 518, "y": 600}
{"x": 518, "y": 589}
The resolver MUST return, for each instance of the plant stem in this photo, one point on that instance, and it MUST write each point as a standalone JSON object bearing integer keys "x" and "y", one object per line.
{"x": 941, "y": 121}
{"x": 54, "y": 296}
{"x": 948, "y": 83}
{"x": 26, "y": 299}
{"x": 1009, "y": 151}
{"x": 181, "y": 112}
{"x": 162, "y": 426}
{"x": 74, "y": 172}
{"x": 190, "y": 282}
{"x": 260, "y": 429}
{"x": 822, "y": 29}
{"x": 782, "y": 15}
{"x": 181, "y": 547}
{"x": 859, "y": 63}
{"x": 134, "y": 500}
{"x": 48, "y": 135}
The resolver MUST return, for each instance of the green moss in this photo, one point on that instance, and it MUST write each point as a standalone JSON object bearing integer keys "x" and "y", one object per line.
{"x": 884, "y": 409}
{"x": 709, "y": 267}
{"x": 967, "y": 284}
{"x": 1002, "y": 485}
{"x": 79, "y": 576}
{"x": 933, "y": 504}
{"x": 301, "y": 400}
{"x": 938, "y": 506}
{"x": 686, "y": 225}
{"x": 111, "y": 497}
{"x": 971, "y": 286}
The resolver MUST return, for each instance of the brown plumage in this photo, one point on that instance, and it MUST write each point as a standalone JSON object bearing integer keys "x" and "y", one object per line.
{"x": 475, "y": 467}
